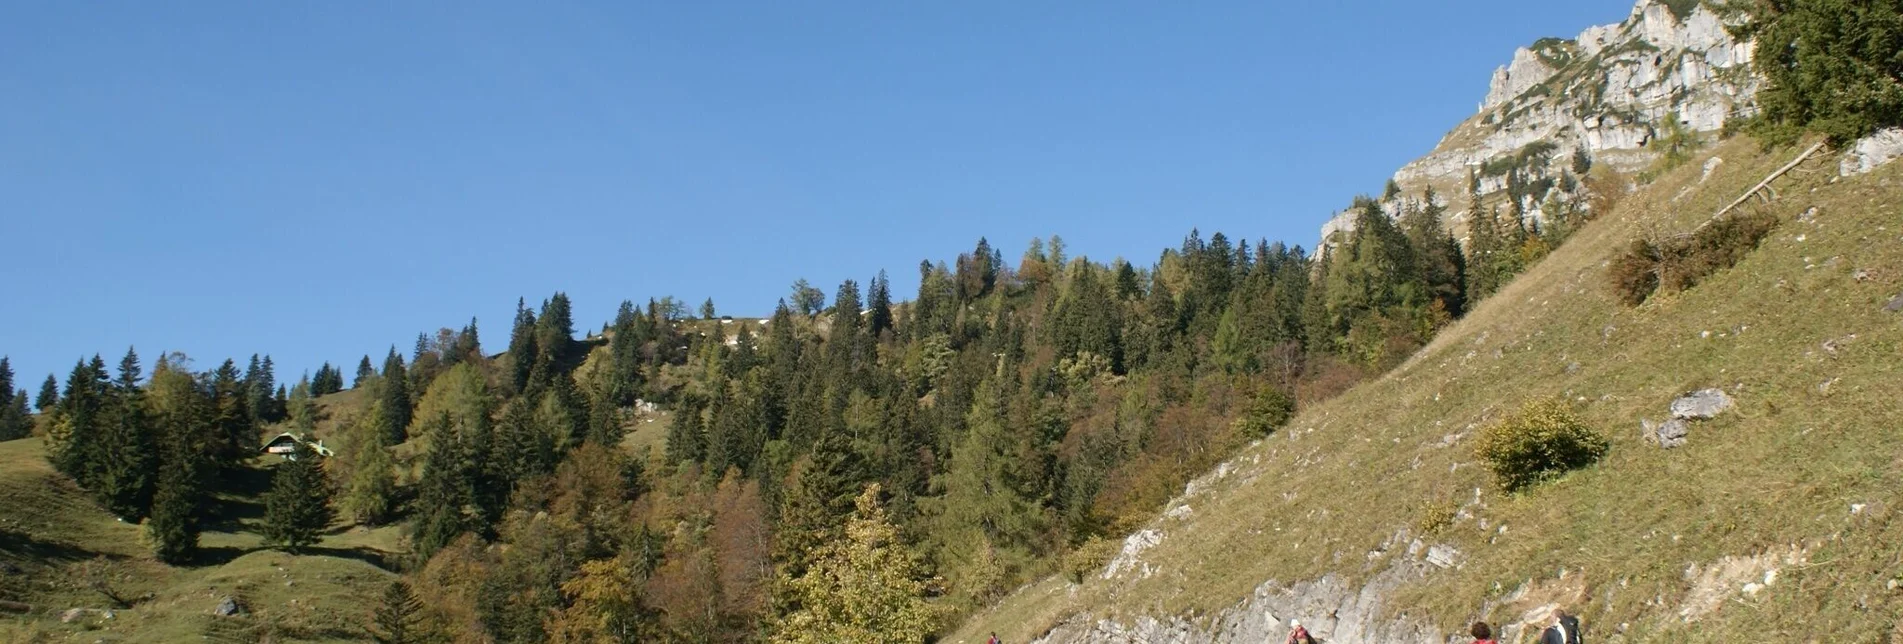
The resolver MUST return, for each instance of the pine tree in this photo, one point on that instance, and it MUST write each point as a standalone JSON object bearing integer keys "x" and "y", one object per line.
{"x": 49, "y": 395}
{"x": 126, "y": 472}
{"x": 266, "y": 407}
{"x": 522, "y": 351}
{"x": 445, "y": 493}
{"x": 686, "y": 438}
{"x": 237, "y": 425}
{"x": 1440, "y": 261}
{"x": 879, "y": 303}
{"x": 172, "y": 530}
{"x": 707, "y": 309}
{"x": 297, "y": 509}
{"x": 364, "y": 372}
{"x": 15, "y": 420}
{"x": 399, "y": 618}
{"x": 182, "y": 414}
{"x": 395, "y": 398}
{"x": 6, "y": 381}
{"x": 1831, "y": 66}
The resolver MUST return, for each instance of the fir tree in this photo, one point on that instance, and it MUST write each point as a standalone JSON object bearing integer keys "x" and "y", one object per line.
{"x": 364, "y": 372}
{"x": 399, "y": 618}
{"x": 297, "y": 509}
{"x": 444, "y": 493}
{"x": 49, "y": 395}
{"x": 126, "y": 471}
{"x": 237, "y": 425}
{"x": 1831, "y": 66}
{"x": 522, "y": 351}
{"x": 6, "y": 381}
{"x": 707, "y": 309}
{"x": 15, "y": 420}
{"x": 172, "y": 530}
{"x": 395, "y": 398}
{"x": 879, "y": 305}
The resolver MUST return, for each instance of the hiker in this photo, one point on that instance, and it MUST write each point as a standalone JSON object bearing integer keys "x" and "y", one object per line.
{"x": 1482, "y": 634}
{"x": 994, "y": 639}
{"x": 1299, "y": 635}
{"x": 1565, "y": 630}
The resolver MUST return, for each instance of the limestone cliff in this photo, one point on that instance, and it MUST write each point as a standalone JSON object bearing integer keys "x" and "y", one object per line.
{"x": 1607, "y": 93}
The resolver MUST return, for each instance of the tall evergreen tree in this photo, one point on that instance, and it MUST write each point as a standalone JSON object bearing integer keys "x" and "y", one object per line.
{"x": 126, "y": 472}
{"x": 297, "y": 509}
{"x": 522, "y": 350}
{"x": 1438, "y": 253}
{"x": 879, "y": 306}
{"x": 1831, "y": 65}
{"x": 15, "y": 420}
{"x": 237, "y": 425}
{"x": 395, "y": 398}
{"x": 172, "y": 530}
{"x": 445, "y": 493}
{"x": 49, "y": 395}
{"x": 364, "y": 372}
{"x": 399, "y": 617}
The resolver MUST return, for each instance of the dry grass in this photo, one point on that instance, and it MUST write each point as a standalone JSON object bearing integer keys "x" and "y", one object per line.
{"x": 1782, "y": 469}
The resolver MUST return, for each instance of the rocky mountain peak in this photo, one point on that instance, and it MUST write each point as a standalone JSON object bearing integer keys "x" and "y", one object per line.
{"x": 1605, "y": 93}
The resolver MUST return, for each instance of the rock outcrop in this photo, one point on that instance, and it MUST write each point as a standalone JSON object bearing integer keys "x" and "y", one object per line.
{"x": 1601, "y": 96}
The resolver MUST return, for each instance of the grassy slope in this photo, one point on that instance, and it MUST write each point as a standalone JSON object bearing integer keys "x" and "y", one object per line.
{"x": 1781, "y": 470}
{"x": 48, "y": 527}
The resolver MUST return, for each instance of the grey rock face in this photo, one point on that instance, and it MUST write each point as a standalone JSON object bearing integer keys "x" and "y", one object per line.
{"x": 228, "y": 607}
{"x": 1672, "y": 433}
{"x": 1606, "y": 93}
{"x": 1701, "y": 404}
{"x": 1895, "y": 305}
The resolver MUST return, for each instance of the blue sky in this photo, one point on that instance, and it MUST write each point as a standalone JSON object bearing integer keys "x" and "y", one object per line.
{"x": 319, "y": 182}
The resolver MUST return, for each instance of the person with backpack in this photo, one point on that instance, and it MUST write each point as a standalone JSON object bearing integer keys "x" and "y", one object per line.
{"x": 1565, "y": 630}
{"x": 1299, "y": 635}
{"x": 994, "y": 639}
{"x": 1482, "y": 634}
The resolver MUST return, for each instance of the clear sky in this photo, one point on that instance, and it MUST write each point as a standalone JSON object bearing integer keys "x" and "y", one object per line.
{"x": 318, "y": 182}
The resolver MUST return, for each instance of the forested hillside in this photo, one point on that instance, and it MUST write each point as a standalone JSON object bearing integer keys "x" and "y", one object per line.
{"x": 868, "y": 466}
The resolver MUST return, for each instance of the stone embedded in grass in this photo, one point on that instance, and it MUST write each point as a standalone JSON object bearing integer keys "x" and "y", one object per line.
{"x": 1701, "y": 404}
{"x": 1672, "y": 433}
{"x": 228, "y": 607}
{"x": 1895, "y": 305}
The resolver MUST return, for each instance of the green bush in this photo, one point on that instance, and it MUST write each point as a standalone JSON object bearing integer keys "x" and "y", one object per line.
{"x": 1088, "y": 558}
{"x": 1266, "y": 412}
{"x": 1682, "y": 262}
{"x": 1540, "y": 441}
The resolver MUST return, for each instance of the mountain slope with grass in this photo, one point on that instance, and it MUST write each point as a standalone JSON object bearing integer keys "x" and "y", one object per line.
{"x": 1371, "y": 519}
{"x": 72, "y": 572}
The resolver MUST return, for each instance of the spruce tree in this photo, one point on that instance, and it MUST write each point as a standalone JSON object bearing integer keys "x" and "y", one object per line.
{"x": 444, "y": 493}
{"x": 707, "y": 309}
{"x": 364, "y": 372}
{"x": 399, "y": 618}
{"x": 879, "y": 303}
{"x": 15, "y": 420}
{"x": 522, "y": 351}
{"x": 395, "y": 398}
{"x": 6, "y": 381}
{"x": 126, "y": 471}
{"x": 172, "y": 529}
{"x": 237, "y": 425}
{"x": 297, "y": 509}
{"x": 49, "y": 395}
{"x": 1831, "y": 66}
